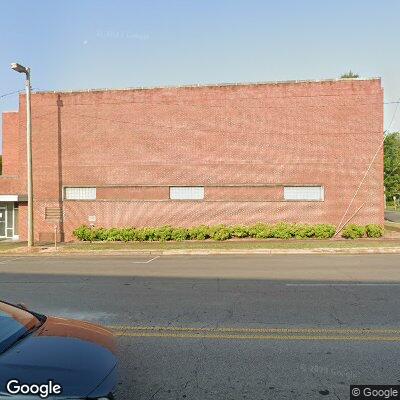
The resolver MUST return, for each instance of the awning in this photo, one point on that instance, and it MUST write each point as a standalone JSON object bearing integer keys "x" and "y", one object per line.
{"x": 13, "y": 197}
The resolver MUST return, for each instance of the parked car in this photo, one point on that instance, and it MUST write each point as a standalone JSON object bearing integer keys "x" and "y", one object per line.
{"x": 48, "y": 357}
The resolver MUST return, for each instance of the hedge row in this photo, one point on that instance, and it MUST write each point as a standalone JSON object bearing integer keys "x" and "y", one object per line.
{"x": 359, "y": 231}
{"x": 223, "y": 232}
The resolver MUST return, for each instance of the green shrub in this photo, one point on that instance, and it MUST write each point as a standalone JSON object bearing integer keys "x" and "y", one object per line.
{"x": 253, "y": 229}
{"x": 303, "y": 231}
{"x": 164, "y": 233}
{"x": 150, "y": 234}
{"x": 180, "y": 234}
{"x": 353, "y": 231}
{"x": 324, "y": 231}
{"x": 261, "y": 231}
{"x": 128, "y": 234}
{"x": 114, "y": 235}
{"x": 201, "y": 232}
{"x": 83, "y": 233}
{"x": 374, "y": 231}
{"x": 145, "y": 234}
{"x": 220, "y": 232}
{"x": 239, "y": 231}
{"x": 282, "y": 231}
{"x": 100, "y": 234}
{"x": 140, "y": 234}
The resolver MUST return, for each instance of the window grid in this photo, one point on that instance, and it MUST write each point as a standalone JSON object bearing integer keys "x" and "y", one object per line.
{"x": 307, "y": 193}
{"x": 80, "y": 193}
{"x": 186, "y": 192}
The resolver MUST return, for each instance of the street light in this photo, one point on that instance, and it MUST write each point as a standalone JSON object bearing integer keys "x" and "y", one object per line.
{"x": 19, "y": 68}
{"x": 26, "y": 70}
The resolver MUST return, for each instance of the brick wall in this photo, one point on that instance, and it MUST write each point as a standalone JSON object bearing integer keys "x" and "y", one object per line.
{"x": 257, "y": 137}
{"x": 10, "y": 143}
{"x": 133, "y": 193}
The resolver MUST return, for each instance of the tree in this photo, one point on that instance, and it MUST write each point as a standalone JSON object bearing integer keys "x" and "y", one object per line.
{"x": 391, "y": 150}
{"x": 350, "y": 75}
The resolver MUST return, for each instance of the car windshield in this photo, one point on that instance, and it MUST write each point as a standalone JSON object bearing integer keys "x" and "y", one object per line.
{"x": 14, "y": 323}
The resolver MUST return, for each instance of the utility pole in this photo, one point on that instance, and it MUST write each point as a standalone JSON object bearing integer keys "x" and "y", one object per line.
{"x": 26, "y": 70}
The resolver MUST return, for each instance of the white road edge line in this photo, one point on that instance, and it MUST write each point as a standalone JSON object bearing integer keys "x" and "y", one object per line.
{"x": 145, "y": 262}
{"x": 10, "y": 259}
{"x": 342, "y": 284}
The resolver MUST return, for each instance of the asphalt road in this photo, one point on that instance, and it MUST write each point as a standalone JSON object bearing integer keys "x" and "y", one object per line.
{"x": 218, "y": 335}
{"x": 392, "y": 216}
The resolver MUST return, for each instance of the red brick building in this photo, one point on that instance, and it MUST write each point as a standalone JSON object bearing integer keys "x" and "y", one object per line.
{"x": 232, "y": 154}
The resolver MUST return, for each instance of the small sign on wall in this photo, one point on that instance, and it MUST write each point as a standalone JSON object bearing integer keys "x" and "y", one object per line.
{"x": 92, "y": 218}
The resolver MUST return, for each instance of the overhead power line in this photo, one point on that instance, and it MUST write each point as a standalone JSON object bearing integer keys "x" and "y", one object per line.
{"x": 15, "y": 92}
{"x": 341, "y": 224}
{"x": 394, "y": 115}
{"x": 11, "y": 93}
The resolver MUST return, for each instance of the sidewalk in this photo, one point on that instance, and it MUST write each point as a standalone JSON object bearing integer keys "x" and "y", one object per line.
{"x": 392, "y": 226}
{"x": 239, "y": 246}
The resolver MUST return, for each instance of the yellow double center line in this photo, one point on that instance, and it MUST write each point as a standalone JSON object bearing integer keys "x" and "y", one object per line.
{"x": 336, "y": 334}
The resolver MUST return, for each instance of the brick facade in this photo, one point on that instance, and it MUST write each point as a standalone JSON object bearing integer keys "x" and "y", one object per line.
{"x": 243, "y": 143}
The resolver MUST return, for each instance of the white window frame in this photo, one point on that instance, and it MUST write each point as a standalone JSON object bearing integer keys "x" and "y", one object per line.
{"x": 80, "y": 193}
{"x": 186, "y": 193}
{"x": 304, "y": 193}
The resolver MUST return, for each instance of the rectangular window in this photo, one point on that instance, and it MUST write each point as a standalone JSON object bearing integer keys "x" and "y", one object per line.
{"x": 16, "y": 219}
{"x": 186, "y": 193}
{"x": 307, "y": 193}
{"x": 10, "y": 214}
{"x": 80, "y": 193}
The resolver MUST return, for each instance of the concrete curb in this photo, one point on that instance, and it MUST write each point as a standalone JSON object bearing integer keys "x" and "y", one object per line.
{"x": 50, "y": 252}
{"x": 286, "y": 251}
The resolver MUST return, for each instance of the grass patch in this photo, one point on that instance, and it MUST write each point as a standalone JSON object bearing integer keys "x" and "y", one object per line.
{"x": 7, "y": 246}
{"x": 229, "y": 245}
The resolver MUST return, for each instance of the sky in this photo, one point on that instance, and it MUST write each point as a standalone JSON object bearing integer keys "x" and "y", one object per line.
{"x": 116, "y": 44}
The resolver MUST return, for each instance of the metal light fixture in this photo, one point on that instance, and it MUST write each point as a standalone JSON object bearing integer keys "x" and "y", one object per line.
{"x": 19, "y": 68}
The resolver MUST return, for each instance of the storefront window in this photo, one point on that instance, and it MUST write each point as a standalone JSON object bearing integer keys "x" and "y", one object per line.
{"x": 16, "y": 211}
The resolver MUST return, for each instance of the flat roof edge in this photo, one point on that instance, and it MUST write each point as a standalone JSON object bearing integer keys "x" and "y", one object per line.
{"x": 205, "y": 85}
